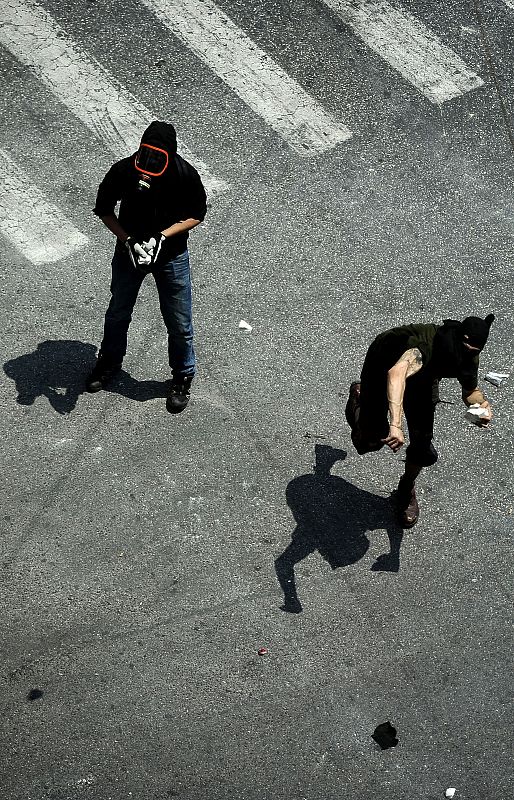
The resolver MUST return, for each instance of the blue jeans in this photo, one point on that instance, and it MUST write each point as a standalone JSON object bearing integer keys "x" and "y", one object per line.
{"x": 173, "y": 280}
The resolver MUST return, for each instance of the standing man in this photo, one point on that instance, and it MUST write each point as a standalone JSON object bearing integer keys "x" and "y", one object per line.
{"x": 401, "y": 373}
{"x": 161, "y": 199}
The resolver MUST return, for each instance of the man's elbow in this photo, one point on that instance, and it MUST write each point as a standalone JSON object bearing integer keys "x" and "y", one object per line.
{"x": 397, "y": 372}
{"x": 102, "y": 214}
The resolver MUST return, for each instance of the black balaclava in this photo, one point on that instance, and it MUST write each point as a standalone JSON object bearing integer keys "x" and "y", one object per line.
{"x": 450, "y": 359}
{"x": 477, "y": 330}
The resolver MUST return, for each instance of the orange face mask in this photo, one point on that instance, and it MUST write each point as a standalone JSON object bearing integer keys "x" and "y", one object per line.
{"x": 150, "y": 160}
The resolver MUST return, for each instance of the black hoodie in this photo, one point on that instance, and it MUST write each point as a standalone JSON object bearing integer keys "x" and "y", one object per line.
{"x": 176, "y": 195}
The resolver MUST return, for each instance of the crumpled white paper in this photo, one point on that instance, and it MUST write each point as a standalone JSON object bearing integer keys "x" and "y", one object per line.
{"x": 449, "y": 792}
{"x": 497, "y": 378}
{"x": 245, "y": 326}
{"x": 475, "y": 413}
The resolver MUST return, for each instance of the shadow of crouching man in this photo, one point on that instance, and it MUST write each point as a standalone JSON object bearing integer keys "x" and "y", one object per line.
{"x": 57, "y": 370}
{"x": 333, "y": 516}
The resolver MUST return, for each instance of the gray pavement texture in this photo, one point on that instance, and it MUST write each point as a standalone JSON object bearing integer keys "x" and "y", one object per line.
{"x": 138, "y": 548}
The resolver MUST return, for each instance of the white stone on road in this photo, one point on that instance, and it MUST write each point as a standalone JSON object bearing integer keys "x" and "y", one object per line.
{"x": 78, "y": 81}
{"x": 34, "y": 225}
{"x": 252, "y": 74}
{"x": 409, "y": 47}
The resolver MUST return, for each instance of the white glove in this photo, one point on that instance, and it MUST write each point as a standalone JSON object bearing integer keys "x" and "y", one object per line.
{"x": 153, "y": 247}
{"x": 138, "y": 254}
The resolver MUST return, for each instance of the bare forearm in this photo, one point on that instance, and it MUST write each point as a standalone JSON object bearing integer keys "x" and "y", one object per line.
{"x": 408, "y": 364}
{"x": 180, "y": 227}
{"x": 395, "y": 391}
{"x": 112, "y": 223}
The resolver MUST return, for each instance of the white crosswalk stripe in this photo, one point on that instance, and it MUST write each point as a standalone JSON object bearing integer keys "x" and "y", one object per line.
{"x": 409, "y": 47}
{"x": 111, "y": 112}
{"x": 34, "y": 225}
{"x": 251, "y": 73}
{"x": 115, "y": 116}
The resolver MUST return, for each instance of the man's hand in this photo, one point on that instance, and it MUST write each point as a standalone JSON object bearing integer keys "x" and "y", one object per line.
{"x": 153, "y": 247}
{"x": 138, "y": 255}
{"x": 476, "y": 396}
{"x": 485, "y": 420}
{"x": 395, "y": 439}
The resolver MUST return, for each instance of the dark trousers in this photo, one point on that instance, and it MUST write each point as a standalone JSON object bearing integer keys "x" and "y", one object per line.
{"x": 173, "y": 280}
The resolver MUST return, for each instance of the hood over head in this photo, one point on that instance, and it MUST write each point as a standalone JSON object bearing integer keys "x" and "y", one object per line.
{"x": 162, "y": 135}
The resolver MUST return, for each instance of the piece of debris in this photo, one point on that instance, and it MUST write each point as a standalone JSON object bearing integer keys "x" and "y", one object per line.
{"x": 497, "y": 378}
{"x": 262, "y": 651}
{"x": 385, "y": 735}
{"x": 309, "y": 435}
{"x": 34, "y": 694}
{"x": 475, "y": 412}
{"x": 86, "y": 781}
{"x": 245, "y": 326}
{"x": 449, "y": 792}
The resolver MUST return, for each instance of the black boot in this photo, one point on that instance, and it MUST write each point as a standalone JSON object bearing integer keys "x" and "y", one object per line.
{"x": 102, "y": 373}
{"x": 178, "y": 397}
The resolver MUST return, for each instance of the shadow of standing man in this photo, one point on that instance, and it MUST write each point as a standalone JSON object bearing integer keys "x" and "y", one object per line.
{"x": 54, "y": 370}
{"x": 333, "y": 516}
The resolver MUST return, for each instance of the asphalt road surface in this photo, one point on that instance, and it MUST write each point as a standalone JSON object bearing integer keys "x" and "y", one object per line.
{"x": 360, "y": 176}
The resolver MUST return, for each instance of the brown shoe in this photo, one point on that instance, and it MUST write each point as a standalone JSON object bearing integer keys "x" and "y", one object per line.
{"x": 407, "y": 507}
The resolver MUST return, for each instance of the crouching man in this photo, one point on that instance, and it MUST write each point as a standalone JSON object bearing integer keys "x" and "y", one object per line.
{"x": 400, "y": 375}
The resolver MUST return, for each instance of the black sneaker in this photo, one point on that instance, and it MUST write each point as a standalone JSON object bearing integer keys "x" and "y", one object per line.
{"x": 102, "y": 373}
{"x": 178, "y": 397}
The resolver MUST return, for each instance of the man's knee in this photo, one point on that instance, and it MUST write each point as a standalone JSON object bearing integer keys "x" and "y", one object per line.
{"x": 179, "y": 329}
{"x": 421, "y": 451}
{"x": 119, "y": 314}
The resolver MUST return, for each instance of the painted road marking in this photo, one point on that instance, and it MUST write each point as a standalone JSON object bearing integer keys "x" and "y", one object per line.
{"x": 33, "y": 224}
{"x": 79, "y": 82}
{"x": 409, "y": 47}
{"x": 253, "y": 75}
